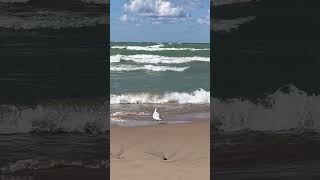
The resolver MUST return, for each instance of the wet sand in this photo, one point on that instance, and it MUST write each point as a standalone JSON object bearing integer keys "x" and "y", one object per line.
{"x": 162, "y": 151}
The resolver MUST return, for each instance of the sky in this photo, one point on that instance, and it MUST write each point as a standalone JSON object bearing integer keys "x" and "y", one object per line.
{"x": 160, "y": 20}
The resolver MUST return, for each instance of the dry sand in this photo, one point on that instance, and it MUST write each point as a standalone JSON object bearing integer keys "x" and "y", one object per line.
{"x": 139, "y": 153}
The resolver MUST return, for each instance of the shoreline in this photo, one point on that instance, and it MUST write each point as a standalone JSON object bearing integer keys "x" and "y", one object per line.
{"x": 165, "y": 151}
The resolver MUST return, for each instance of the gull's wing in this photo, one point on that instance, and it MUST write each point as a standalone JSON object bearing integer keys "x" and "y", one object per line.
{"x": 157, "y": 115}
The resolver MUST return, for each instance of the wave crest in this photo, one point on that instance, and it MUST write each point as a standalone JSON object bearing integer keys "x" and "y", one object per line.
{"x": 199, "y": 96}
{"x": 287, "y": 108}
{"x": 54, "y": 118}
{"x": 146, "y": 67}
{"x": 156, "y": 59}
{"x": 158, "y": 47}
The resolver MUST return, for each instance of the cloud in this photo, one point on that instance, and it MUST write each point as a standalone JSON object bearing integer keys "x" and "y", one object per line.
{"x": 204, "y": 20}
{"x": 162, "y": 11}
{"x": 154, "y": 8}
{"x": 156, "y": 11}
{"x": 124, "y": 18}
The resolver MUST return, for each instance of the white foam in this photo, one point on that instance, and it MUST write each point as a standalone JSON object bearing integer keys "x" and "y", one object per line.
{"x": 50, "y": 20}
{"x": 118, "y": 47}
{"x": 121, "y": 113}
{"x": 158, "y": 47}
{"x": 66, "y": 118}
{"x": 288, "y": 110}
{"x": 115, "y": 58}
{"x": 146, "y": 67}
{"x": 156, "y": 59}
{"x": 196, "y": 97}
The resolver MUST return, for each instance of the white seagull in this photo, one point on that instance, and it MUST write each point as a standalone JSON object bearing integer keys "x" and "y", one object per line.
{"x": 156, "y": 116}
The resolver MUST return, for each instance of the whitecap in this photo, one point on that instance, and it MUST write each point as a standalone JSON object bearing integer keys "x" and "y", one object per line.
{"x": 156, "y": 59}
{"x": 199, "y": 96}
{"x": 146, "y": 67}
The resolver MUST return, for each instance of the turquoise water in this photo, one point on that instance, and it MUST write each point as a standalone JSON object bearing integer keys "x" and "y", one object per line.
{"x": 173, "y": 77}
{"x": 159, "y": 68}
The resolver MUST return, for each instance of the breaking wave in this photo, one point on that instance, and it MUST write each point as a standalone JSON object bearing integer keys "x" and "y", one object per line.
{"x": 287, "y": 108}
{"x": 199, "y": 96}
{"x": 158, "y": 47}
{"x": 117, "y": 114}
{"x": 90, "y": 119}
{"x": 156, "y": 59}
{"x": 146, "y": 67}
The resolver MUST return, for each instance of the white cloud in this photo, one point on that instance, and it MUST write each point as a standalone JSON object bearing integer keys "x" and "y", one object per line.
{"x": 162, "y": 11}
{"x": 168, "y": 9}
{"x": 154, "y": 8}
{"x": 138, "y": 6}
{"x": 204, "y": 20}
{"x": 155, "y": 22}
{"x": 124, "y": 18}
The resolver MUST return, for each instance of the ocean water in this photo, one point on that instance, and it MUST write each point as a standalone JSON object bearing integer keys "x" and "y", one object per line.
{"x": 53, "y": 108}
{"x": 265, "y": 103}
{"x": 173, "y": 77}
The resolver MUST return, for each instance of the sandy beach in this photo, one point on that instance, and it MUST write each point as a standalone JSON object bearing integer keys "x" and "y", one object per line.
{"x": 164, "y": 151}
